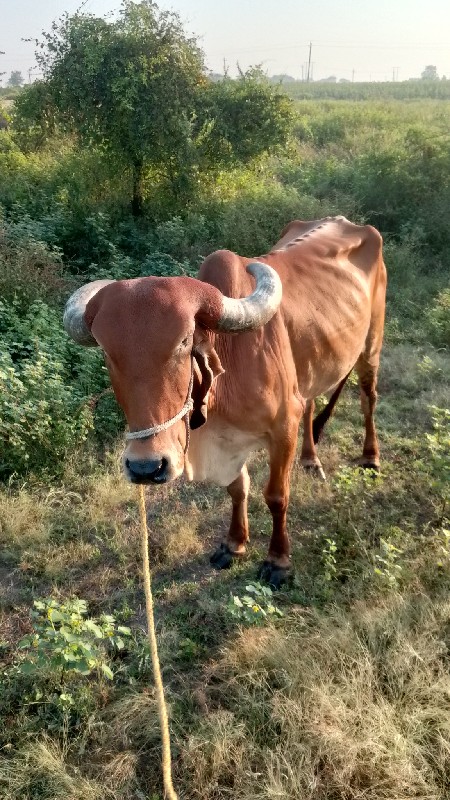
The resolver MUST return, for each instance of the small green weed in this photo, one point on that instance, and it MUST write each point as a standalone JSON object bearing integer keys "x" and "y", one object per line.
{"x": 253, "y": 608}
{"x": 387, "y": 569}
{"x": 354, "y": 487}
{"x": 65, "y": 640}
{"x": 438, "y": 318}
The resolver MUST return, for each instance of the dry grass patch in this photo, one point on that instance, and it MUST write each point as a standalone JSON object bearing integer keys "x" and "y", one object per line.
{"x": 354, "y": 706}
{"x": 120, "y": 772}
{"x": 23, "y": 518}
{"x": 40, "y": 770}
{"x": 133, "y": 720}
{"x": 108, "y": 492}
{"x": 54, "y": 563}
{"x": 216, "y": 757}
{"x": 175, "y": 538}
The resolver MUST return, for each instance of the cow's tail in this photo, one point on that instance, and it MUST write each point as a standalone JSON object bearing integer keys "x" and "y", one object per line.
{"x": 323, "y": 416}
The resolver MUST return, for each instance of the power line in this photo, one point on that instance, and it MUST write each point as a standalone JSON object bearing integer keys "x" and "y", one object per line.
{"x": 360, "y": 45}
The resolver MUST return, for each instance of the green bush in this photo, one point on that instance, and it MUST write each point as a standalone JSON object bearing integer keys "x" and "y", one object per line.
{"x": 29, "y": 268}
{"x": 438, "y": 319}
{"x": 42, "y": 416}
{"x": 46, "y": 385}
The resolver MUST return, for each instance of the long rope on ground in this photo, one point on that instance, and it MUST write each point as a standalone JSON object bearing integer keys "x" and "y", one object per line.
{"x": 162, "y": 710}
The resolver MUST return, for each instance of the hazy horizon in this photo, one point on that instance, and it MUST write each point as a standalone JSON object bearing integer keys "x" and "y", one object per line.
{"x": 349, "y": 40}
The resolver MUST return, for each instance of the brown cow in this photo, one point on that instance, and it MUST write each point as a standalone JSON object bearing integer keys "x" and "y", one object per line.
{"x": 167, "y": 340}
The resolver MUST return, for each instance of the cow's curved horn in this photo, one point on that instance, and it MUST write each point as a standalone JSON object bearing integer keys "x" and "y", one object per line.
{"x": 254, "y": 311}
{"x": 73, "y": 318}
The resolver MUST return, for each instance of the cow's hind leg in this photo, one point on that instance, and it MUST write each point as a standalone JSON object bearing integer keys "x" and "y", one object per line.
{"x": 277, "y": 567}
{"x": 235, "y": 544}
{"x": 309, "y": 458}
{"x": 367, "y": 372}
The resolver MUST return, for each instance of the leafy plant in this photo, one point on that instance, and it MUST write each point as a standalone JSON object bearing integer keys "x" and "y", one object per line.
{"x": 353, "y": 486}
{"x": 438, "y": 317}
{"x": 42, "y": 413}
{"x": 444, "y": 547}
{"x": 65, "y": 640}
{"x": 254, "y": 607}
{"x": 387, "y": 568}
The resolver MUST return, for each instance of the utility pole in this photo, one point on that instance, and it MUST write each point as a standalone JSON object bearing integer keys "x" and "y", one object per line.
{"x": 30, "y": 72}
{"x": 308, "y": 74}
{"x": 353, "y": 75}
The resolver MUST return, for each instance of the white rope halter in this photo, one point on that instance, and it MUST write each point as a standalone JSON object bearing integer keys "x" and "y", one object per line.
{"x": 188, "y": 406}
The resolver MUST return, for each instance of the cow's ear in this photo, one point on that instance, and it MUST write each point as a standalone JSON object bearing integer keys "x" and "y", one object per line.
{"x": 207, "y": 367}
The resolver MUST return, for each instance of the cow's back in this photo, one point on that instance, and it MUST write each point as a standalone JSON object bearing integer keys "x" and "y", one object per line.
{"x": 332, "y": 272}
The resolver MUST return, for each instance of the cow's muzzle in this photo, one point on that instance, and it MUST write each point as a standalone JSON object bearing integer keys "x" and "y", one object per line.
{"x": 148, "y": 470}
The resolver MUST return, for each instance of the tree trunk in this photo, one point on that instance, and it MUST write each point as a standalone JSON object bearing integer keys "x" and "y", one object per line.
{"x": 138, "y": 188}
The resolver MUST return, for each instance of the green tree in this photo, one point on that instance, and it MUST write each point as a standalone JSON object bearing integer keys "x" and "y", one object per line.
{"x": 137, "y": 88}
{"x": 127, "y": 86}
{"x": 430, "y": 73}
{"x": 34, "y": 115}
{"x": 240, "y": 119}
{"x": 16, "y": 78}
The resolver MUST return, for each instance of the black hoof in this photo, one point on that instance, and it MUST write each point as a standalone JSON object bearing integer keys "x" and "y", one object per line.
{"x": 273, "y": 575}
{"x": 316, "y": 470}
{"x": 222, "y": 558}
{"x": 372, "y": 467}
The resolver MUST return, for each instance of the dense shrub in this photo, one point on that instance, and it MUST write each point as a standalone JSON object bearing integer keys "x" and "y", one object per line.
{"x": 438, "y": 318}
{"x": 29, "y": 269}
{"x": 46, "y": 388}
{"x": 41, "y": 415}
{"x": 392, "y": 160}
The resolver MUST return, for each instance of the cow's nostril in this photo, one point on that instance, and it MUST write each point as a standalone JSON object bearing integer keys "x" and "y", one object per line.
{"x": 160, "y": 474}
{"x": 148, "y": 471}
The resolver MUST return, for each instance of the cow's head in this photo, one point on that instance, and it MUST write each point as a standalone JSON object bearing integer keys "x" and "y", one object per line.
{"x": 154, "y": 334}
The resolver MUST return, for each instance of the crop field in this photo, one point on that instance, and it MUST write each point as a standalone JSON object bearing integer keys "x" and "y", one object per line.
{"x": 337, "y": 686}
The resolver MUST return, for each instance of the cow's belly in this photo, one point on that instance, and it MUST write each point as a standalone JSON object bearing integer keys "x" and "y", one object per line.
{"x": 322, "y": 365}
{"x": 314, "y": 382}
{"x": 218, "y": 451}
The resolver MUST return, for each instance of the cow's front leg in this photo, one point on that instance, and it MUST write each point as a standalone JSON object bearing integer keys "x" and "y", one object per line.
{"x": 277, "y": 567}
{"x": 235, "y": 544}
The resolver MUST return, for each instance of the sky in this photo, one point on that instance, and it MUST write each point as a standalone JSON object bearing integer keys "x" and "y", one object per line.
{"x": 352, "y": 39}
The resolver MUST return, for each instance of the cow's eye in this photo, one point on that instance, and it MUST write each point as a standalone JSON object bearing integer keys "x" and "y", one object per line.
{"x": 186, "y": 341}
{"x": 183, "y": 346}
